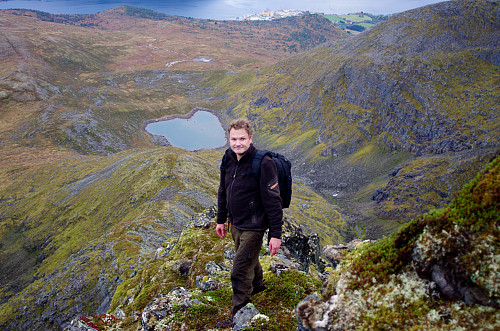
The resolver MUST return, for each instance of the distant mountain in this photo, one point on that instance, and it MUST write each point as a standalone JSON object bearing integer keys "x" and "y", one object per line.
{"x": 84, "y": 65}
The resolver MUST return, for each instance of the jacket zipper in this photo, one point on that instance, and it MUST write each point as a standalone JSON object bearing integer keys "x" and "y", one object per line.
{"x": 231, "y": 188}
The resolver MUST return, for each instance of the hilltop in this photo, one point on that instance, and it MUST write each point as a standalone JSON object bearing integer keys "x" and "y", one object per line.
{"x": 381, "y": 127}
{"x": 257, "y": 43}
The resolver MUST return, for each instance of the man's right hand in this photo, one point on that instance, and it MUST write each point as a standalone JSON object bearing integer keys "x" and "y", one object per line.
{"x": 221, "y": 230}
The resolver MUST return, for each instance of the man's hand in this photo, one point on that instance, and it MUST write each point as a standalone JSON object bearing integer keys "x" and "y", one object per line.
{"x": 274, "y": 245}
{"x": 221, "y": 230}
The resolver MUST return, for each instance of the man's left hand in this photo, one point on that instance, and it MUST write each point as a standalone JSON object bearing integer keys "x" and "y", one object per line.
{"x": 274, "y": 245}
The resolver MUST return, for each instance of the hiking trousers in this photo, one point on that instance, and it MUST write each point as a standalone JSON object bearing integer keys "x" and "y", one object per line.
{"x": 247, "y": 271}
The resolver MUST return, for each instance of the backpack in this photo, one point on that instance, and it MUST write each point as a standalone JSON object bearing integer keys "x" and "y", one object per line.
{"x": 283, "y": 166}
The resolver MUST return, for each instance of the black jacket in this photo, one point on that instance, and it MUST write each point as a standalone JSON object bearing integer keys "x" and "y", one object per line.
{"x": 248, "y": 202}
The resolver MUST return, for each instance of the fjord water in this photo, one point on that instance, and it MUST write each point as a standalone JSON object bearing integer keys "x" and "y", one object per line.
{"x": 217, "y": 9}
{"x": 214, "y": 9}
{"x": 202, "y": 130}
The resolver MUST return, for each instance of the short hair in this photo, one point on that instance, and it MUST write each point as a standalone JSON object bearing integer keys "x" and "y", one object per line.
{"x": 240, "y": 123}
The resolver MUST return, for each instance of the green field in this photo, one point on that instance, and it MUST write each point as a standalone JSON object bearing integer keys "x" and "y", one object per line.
{"x": 355, "y": 18}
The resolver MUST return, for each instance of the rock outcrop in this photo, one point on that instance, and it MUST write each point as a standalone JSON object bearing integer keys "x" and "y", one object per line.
{"x": 439, "y": 272}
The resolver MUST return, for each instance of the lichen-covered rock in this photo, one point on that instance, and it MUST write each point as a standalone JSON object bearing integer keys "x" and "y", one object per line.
{"x": 229, "y": 253}
{"x": 439, "y": 272}
{"x": 243, "y": 317}
{"x": 204, "y": 283}
{"x": 212, "y": 268}
{"x": 335, "y": 253}
{"x": 450, "y": 258}
{"x": 203, "y": 219}
{"x": 164, "y": 306}
{"x": 309, "y": 311}
{"x": 284, "y": 263}
{"x": 78, "y": 325}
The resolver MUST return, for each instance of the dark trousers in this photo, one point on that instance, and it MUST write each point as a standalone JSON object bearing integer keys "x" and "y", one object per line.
{"x": 247, "y": 271}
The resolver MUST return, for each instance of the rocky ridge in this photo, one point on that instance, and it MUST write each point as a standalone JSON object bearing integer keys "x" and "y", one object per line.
{"x": 180, "y": 283}
{"x": 439, "y": 272}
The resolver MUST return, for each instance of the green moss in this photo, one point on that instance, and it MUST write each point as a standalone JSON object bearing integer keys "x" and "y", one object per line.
{"x": 475, "y": 208}
{"x": 279, "y": 301}
{"x": 384, "y": 284}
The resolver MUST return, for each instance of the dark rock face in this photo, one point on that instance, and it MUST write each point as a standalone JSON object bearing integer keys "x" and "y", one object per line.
{"x": 243, "y": 316}
{"x": 306, "y": 249}
{"x": 454, "y": 286}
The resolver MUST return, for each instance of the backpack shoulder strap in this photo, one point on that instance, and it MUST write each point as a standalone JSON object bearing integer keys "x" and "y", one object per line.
{"x": 257, "y": 160}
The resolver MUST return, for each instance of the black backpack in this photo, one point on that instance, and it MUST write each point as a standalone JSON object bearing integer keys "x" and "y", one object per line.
{"x": 284, "y": 167}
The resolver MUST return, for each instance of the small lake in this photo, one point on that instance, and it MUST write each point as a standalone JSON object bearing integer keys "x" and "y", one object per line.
{"x": 201, "y": 130}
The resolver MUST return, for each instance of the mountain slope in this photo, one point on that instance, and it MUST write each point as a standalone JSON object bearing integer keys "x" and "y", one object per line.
{"x": 81, "y": 225}
{"x": 91, "y": 88}
{"x": 439, "y": 272}
{"x": 420, "y": 85}
{"x": 398, "y": 83}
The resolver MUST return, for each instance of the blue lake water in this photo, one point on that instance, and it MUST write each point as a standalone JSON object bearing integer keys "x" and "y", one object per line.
{"x": 202, "y": 130}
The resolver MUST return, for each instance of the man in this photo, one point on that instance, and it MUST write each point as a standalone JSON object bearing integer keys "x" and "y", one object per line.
{"x": 252, "y": 205}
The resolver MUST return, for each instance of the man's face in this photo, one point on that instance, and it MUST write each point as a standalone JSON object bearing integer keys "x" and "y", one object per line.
{"x": 240, "y": 141}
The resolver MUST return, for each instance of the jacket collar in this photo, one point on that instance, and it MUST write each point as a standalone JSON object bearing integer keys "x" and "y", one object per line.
{"x": 249, "y": 153}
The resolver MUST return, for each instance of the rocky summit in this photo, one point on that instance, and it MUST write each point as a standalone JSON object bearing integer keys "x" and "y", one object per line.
{"x": 393, "y": 135}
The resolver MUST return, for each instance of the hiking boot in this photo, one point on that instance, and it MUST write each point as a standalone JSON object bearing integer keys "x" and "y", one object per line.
{"x": 227, "y": 323}
{"x": 259, "y": 288}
